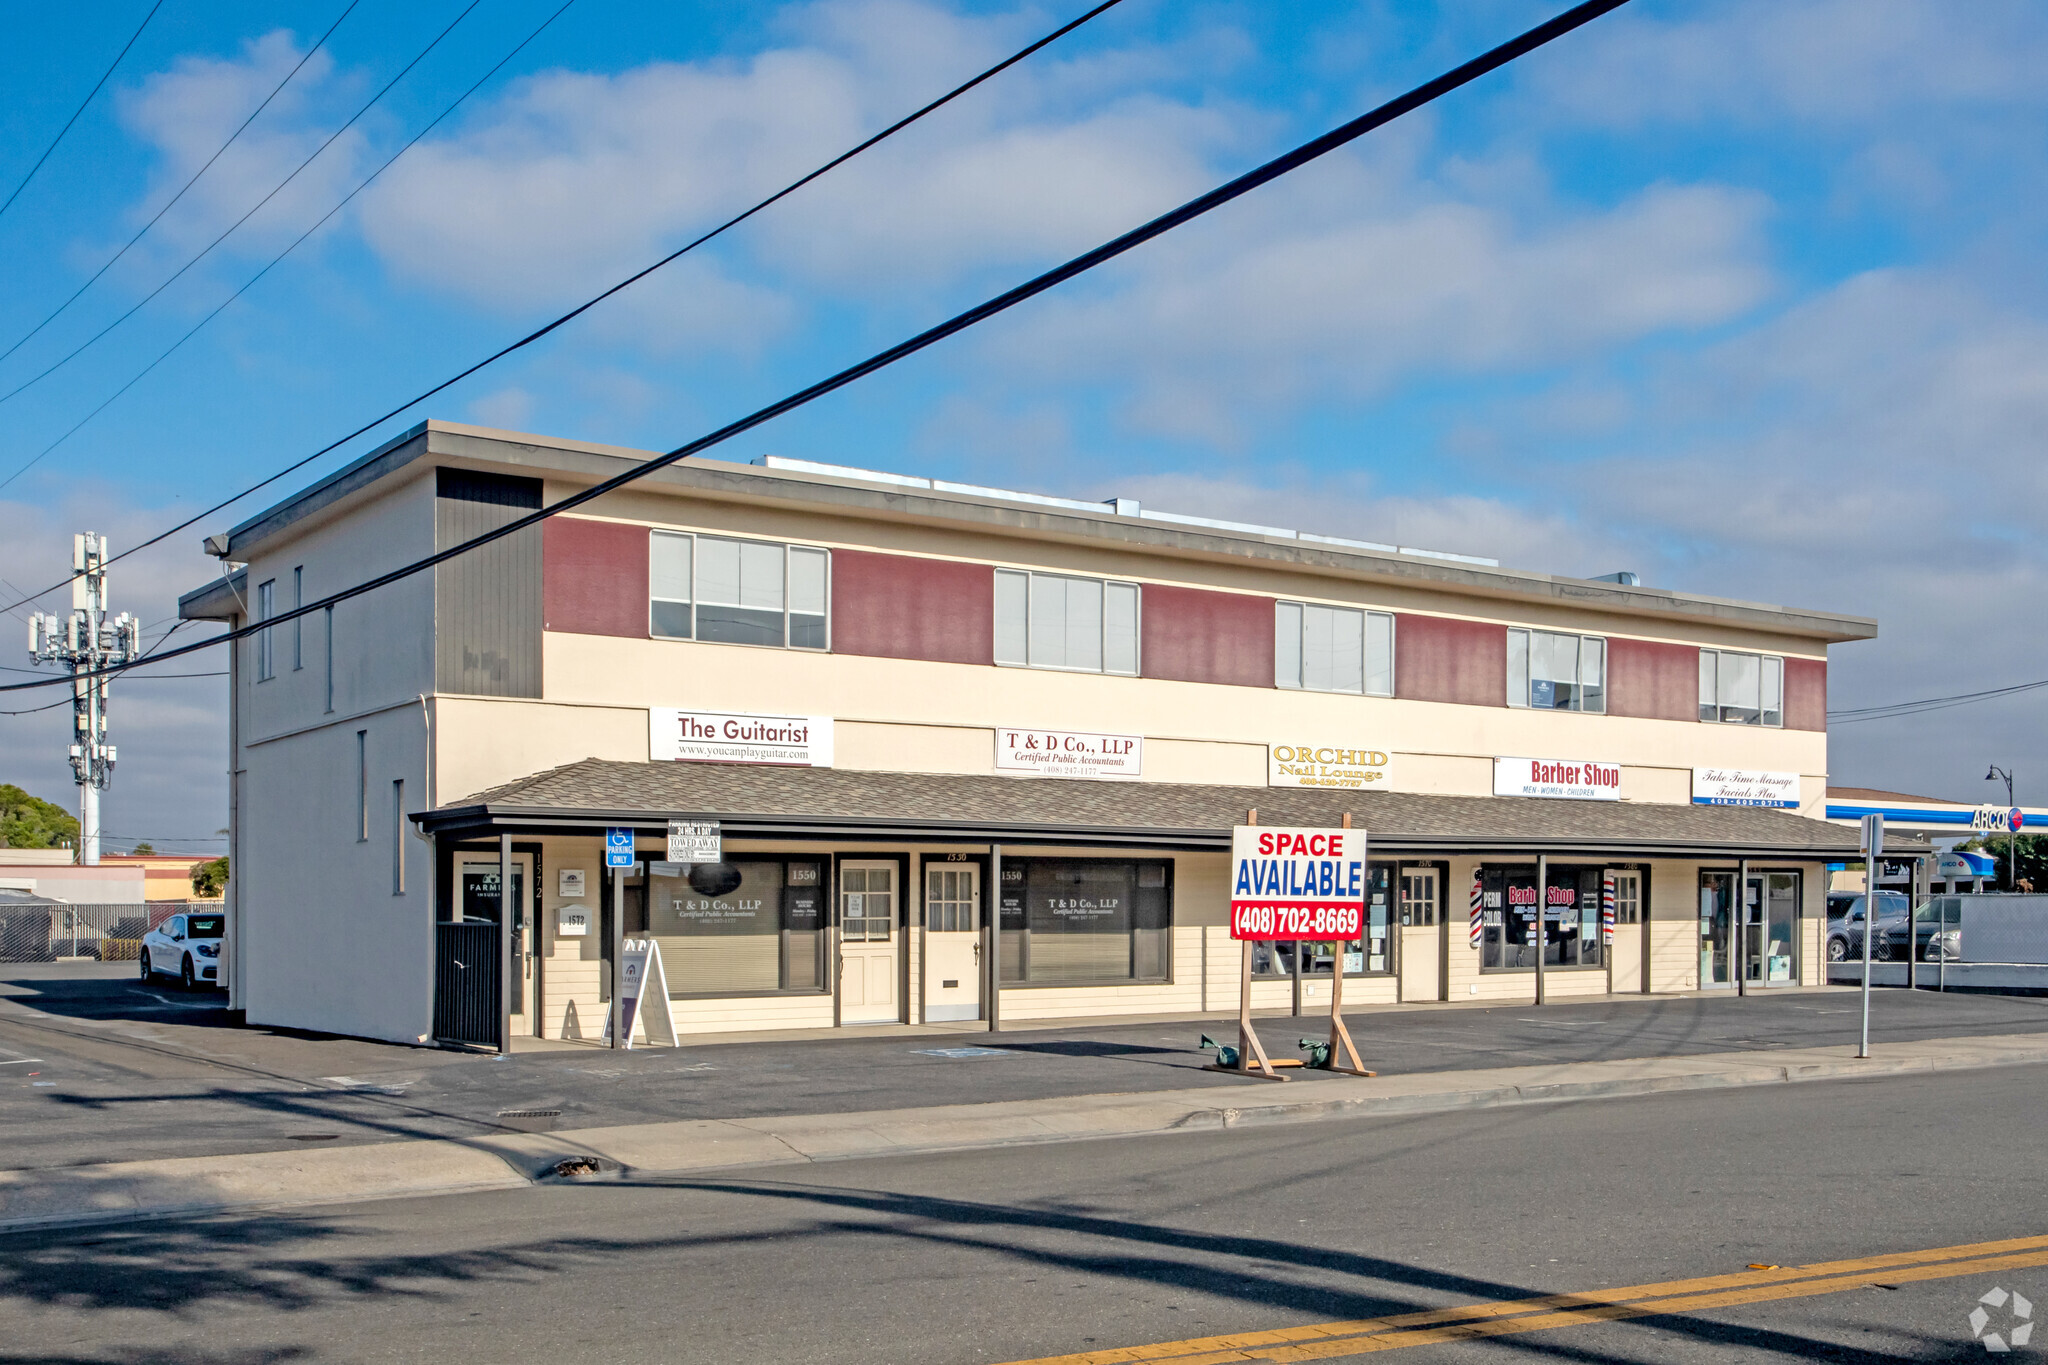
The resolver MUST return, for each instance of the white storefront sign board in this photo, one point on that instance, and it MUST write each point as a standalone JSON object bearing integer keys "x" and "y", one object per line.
{"x": 572, "y": 921}
{"x": 695, "y": 841}
{"x": 641, "y": 976}
{"x": 1326, "y": 765}
{"x": 1571, "y": 779}
{"x": 1744, "y": 787}
{"x": 734, "y": 737}
{"x": 1068, "y": 753}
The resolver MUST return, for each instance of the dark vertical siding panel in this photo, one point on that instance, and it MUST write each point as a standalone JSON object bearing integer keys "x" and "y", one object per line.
{"x": 487, "y": 603}
{"x": 902, "y": 607}
{"x": 1806, "y": 694}
{"x": 1191, "y": 635}
{"x": 595, "y": 577}
{"x": 1653, "y": 681}
{"x": 1439, "y": 659}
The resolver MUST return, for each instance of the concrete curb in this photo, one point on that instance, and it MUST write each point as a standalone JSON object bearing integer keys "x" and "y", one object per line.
{"x": 121, "y": 1191}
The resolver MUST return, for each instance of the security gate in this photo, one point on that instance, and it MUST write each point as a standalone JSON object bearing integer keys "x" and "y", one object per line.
{"x": 466, "y": 983}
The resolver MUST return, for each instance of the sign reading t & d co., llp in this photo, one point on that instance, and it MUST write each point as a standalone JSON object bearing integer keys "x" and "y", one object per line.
{"x": 1296, "y": 883}
{"x": 1069, "y": 753}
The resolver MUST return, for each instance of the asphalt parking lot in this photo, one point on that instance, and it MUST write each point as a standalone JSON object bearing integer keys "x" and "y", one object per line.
{"x": 97, "y": 1066}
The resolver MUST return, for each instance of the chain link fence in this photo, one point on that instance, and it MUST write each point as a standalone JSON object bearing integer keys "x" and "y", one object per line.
{"x": 51, "y": 931}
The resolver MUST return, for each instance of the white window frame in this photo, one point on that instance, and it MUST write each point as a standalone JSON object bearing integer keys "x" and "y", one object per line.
{"x": 1519, "y": 640}
{"x": 1029, "y": 578}
{"x": 1301, "y": 610}
{"x": 1768, "y": 667}
{"x": 266, "y": 653}
{"x": 695, "y": 601}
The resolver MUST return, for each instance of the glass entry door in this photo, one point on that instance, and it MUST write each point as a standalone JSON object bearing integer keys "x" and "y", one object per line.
{"x": 952, "y": 941}
{"x": 1773, "y": 899}
{"x": 868, "y": 943}
{"x": 1717, "y": 928}
{"x": 477, "y": 897}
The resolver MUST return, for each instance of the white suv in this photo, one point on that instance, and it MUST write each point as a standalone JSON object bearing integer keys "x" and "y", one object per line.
{"x": 187, "y": 947}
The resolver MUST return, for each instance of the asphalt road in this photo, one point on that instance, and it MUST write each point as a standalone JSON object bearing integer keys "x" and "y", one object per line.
{"x": 98, "y": 1067}
{"x": 1020, "y": 1253}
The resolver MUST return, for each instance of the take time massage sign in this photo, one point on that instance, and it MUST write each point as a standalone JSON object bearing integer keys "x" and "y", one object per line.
{"x": 1296, "y": 883}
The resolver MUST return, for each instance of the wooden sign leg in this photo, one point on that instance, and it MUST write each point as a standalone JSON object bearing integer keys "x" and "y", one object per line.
{"x": 1339, "y": 1035}
{"x": 1248, "y": 1044}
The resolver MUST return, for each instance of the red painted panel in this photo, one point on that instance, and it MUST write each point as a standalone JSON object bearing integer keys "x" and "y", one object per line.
{"x": 1190, "y": 635}
{"x": 1652, "y": 680}
{"x": 1439, "y": 659}
{"x": 901, "y": 607}
{"x": 594, "y": 577}
{"x": 1806, "y": 694}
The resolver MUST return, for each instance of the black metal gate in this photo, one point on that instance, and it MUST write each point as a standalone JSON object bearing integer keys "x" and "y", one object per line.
{"x": 466, "y": 983}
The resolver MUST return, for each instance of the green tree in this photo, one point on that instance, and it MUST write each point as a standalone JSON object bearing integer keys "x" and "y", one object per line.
{"x": 144, "y": 849}
{"x": 210, "y": 879}
{"x": 29, "y": 822}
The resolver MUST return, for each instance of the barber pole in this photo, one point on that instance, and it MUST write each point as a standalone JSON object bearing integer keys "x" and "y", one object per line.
{"x": 1607, "y": 908}
{"x": 1478, "y": 901}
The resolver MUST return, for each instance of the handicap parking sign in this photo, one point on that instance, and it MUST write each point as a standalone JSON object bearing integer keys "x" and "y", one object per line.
{"x": 618, "y": 848}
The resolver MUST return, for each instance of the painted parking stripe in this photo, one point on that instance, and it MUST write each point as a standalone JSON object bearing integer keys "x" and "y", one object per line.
{"x": 1331, "y": 1340}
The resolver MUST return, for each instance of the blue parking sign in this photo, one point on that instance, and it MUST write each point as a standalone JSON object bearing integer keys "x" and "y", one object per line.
{"x": 618, "y": 848}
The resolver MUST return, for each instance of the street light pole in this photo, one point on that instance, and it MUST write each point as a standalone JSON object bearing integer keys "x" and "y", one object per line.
{"x": 2012, "y": 836}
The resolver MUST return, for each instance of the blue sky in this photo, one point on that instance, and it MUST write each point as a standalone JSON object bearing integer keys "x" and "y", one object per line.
{"x": 1742, "y": 296}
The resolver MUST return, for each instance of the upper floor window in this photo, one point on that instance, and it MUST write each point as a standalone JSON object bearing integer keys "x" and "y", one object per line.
{"x": 1742, "y": 689}
{"x": 1552, "y": 672}
{"x": 266, "y": 607}
{"x": 742, "y": 592}
{"x": 1333, "y": 649}
{"x": 1088, "y": 625}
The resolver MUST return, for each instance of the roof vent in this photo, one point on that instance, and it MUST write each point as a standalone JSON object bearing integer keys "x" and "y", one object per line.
{"x": 1626, "y": 577}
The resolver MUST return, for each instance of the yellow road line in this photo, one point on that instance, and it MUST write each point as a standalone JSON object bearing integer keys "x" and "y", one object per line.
{"x": 1324, "y": 1340}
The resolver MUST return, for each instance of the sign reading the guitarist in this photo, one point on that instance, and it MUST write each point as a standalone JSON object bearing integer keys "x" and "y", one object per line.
{"x": 1296, "y": 883}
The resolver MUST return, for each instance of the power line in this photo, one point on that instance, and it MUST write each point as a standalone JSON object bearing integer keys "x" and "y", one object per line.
{"x": 573, "y": 313}
{"x": 1858, "y": 715}
{"x": 83, "y": 346}
{"x": 1225, "y": 193}
{"x": 105, "y": 76}
{"x": 297, "y": 242}
{"x": 172, "y": 203}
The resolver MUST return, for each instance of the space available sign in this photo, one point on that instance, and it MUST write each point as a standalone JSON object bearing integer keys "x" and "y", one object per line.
{"x": 1068, "y": 753}
{"x": 1296, "y": 883}
{"x": 1325, "y": 765}
{"x": 733, "y": 737}
{"x": 1574, "y": 779}
{"x": 1744, "y": 787}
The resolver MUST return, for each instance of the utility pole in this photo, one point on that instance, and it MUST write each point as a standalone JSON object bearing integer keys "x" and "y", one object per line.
{"x": 87, "y": 640}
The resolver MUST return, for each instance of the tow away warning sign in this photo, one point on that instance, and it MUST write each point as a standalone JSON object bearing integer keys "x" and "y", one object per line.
{"x": 1296, "y": 883}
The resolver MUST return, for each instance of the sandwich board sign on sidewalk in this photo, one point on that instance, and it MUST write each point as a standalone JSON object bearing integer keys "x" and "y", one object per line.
{"x": 1300, "y": 885}
{"x": 641, "y": 977}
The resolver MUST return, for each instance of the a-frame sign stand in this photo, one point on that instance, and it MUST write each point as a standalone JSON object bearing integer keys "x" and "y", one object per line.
{"x": 1248, "y": 1044}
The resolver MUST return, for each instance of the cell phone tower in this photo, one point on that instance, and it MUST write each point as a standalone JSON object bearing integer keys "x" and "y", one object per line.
{"x": 87, "y": 640}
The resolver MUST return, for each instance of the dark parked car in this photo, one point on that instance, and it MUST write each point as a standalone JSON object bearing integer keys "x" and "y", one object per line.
{"x": 1845, "y": 929}
{"x": 1933, "y": 938}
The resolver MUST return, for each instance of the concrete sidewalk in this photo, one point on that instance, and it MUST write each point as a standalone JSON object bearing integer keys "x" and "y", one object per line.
{"x": 118, "y": 1191}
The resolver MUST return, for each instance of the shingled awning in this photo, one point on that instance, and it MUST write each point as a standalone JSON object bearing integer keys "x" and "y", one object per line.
{"x": 819, "y": 803}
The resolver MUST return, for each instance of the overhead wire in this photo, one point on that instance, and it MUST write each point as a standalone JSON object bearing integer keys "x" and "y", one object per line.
{"x": 1231, "y": 190}
{"x": 172, "y": 202}
{"x": 298, "y": 241}
{"x": 90, "y": 95}
{"x": 1857, "y": 715}
{"x": 572, "y": 314}
{"x": 207, "y": 250}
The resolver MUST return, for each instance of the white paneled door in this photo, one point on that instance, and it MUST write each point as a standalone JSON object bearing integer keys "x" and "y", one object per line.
{"x": 870, "y": 939}
{"x": 952, "y": 941}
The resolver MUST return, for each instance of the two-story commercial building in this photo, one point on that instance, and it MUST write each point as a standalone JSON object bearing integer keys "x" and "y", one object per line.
{"x": 970, "y": 753}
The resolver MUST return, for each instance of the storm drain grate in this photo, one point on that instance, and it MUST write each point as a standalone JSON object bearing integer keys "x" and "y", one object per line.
{"x": 528, "y": 1120}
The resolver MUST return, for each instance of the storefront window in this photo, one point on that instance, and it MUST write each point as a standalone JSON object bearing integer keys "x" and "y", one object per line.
{"x": 1083, "y": 920}
{"x": 1369, "y": 956}
{"x": 733, "y": 928}
{"x": 1570, "y": 917}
